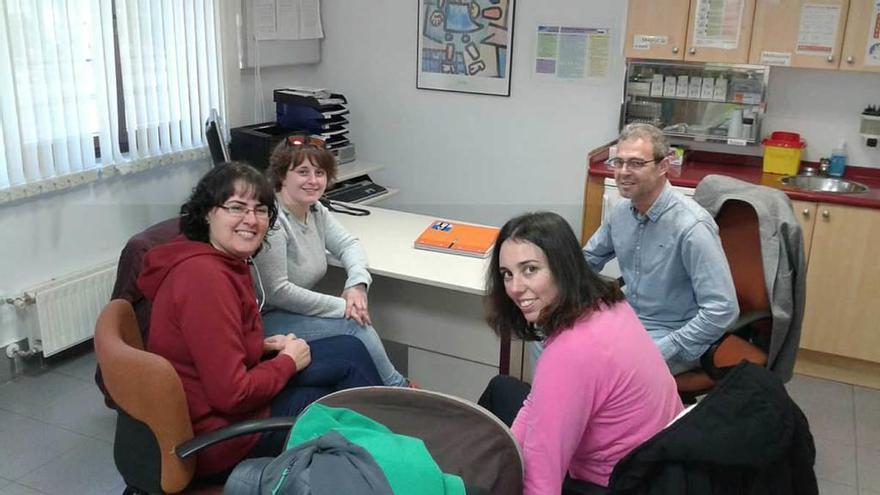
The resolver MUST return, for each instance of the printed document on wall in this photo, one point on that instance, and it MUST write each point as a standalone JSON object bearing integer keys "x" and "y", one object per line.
{"x": 571, "y": 53}
{"x": 818, "y": 29}
{"x": 287, "y": 19}
{"x": 717, "y": 23}
{"x": 264, "y": 20}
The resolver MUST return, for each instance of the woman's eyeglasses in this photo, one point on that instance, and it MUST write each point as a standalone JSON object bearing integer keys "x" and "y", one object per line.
{"x": 297, "y": 141}
{"x": 240, "y": 211}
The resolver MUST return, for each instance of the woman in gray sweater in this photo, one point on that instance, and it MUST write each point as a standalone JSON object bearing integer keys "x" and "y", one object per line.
{"x": 294, "y": 259}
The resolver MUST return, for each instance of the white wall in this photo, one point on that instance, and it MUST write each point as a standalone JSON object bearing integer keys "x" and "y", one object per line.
{"x": 824, "y": 107}
{"x": 471, "y": 157}
{"x": 56, "y": 234}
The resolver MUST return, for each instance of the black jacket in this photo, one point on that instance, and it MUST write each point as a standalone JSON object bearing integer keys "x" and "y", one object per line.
{"x": 746, "y": 437}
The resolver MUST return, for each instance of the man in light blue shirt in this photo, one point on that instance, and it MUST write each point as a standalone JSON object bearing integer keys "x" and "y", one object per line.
{"x": 676, "y": 274}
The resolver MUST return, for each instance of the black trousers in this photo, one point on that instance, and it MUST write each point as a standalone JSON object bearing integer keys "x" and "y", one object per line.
{"x": 504, "y": 397}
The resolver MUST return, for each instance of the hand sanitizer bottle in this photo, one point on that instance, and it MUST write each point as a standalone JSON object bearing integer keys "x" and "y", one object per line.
{"x": 838, "y": 160}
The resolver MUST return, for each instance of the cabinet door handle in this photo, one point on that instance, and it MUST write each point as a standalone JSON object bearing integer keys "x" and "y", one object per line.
{"x": 850, "y": 59}
{"x": 806, "y": 212}
{"x": 692, "y": 51}
{"x": 830, "y": 58}
{"x": 674, "y": 49}
{"x": 826, "y": 214}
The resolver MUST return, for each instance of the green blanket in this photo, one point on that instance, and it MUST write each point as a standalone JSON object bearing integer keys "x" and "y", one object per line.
{"x": 407, "y": 464}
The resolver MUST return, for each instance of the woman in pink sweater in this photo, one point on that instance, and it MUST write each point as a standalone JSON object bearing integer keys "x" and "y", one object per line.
{"x": 600, "y": 388}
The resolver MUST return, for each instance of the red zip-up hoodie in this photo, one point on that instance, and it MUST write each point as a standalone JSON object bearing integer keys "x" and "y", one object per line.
{"x": 206, "y": 322}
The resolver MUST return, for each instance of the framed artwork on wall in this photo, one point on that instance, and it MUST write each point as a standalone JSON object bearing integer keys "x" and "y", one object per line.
{"x": 465, "y": 46}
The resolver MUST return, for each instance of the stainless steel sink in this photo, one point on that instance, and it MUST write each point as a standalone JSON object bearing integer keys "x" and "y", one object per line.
{"x": 823, "y": 184}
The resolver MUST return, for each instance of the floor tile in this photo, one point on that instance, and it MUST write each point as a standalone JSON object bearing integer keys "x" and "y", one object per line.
{"x": 62, "y": 401}
{"x": 16, "y": 489}
{"x": 867, "y": 414}
{"x": 28, "y": 392}
{"x": 805, "y": 389}
{"x": 34, "y": 444}
{"x": 79, "y": 367}
{"x": 86, "y": 469}
{"x": 835, "y": 461}
{"x": 829, "y": 407}
{"x": 829, "y": 488}
{"x": 868, "y": 467}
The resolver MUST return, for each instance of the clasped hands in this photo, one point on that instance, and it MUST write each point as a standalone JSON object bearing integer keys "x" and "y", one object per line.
{"x": 356, "y": 304}
{"x": 291, "y": 345}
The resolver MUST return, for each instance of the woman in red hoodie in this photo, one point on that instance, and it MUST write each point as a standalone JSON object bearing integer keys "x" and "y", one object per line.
{"x": 206, "y": 321}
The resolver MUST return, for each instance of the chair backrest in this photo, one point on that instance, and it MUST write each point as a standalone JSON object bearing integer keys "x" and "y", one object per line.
{"x": 152, "y": 412}
{"x": 130, "y": 261}
{"x": 740, "y": 236}
{"x": 462, "y": 437}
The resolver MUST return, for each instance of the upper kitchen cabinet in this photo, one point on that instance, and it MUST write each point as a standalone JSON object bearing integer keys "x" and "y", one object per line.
{"x": 695, "y": 30}
{"x": 799, "y": 33}
{"x": 861, "y": 43}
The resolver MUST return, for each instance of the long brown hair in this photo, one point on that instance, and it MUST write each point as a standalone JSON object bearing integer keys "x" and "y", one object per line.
{"x": 580, "y": 290}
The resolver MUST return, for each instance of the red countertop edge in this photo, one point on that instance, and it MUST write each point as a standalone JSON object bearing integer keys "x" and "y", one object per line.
{"x": 699, "y": 164}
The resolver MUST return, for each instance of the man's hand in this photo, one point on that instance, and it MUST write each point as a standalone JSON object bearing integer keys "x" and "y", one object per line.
{"x": 356, "y": 304}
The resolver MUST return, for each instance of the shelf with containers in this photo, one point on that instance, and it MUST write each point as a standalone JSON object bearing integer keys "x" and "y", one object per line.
{"x": 704, "y": 102}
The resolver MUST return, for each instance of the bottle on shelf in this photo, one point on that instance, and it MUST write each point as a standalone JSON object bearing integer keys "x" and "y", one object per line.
{"x": 837, "y": 167}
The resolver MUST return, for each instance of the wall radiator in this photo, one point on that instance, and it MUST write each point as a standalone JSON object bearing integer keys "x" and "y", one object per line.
{"x": 67, "y": 308}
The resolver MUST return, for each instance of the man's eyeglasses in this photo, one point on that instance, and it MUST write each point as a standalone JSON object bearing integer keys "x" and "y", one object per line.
{"x": 297, "y": 141}
{"x": 240, "y": 211}
{"x": 631, "y": 163}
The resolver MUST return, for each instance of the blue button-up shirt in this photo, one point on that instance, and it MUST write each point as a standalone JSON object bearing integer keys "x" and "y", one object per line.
{"x": 677, "y": 277}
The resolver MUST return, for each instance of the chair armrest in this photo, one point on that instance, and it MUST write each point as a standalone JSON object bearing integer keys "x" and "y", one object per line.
{"x": 200, "y": 442}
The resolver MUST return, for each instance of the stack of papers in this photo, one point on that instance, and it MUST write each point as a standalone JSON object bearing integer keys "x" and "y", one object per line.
{"x": 457, "y": 238}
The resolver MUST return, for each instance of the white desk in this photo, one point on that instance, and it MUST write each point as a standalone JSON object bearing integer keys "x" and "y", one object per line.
{"x": 430, "y": 302}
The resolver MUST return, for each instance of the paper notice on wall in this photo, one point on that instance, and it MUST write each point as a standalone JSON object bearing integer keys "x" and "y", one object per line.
{"x": 646, "y": 41}
{"x": 264, "y": 19}
{"x": 572, "y": 53}
{"x": 818, "y": 30}
{"x": 310, "y": 20}
{"x": 872, "y": 48}
{"x": 776, "y": 58}
{"x": 287, "y": 19}
{"x": 717, "y": 23}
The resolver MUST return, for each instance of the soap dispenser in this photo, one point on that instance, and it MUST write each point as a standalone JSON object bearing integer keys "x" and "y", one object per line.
{"x": 838, "y": 160}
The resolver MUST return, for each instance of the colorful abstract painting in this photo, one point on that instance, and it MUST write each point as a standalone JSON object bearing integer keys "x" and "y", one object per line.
{"x": 465, "y": 45}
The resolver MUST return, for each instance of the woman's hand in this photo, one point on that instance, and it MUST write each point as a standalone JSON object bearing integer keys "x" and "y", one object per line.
{"x": 356, "y": 304}
{"x": 299, "y": 350}
{"x": 275, "y": 343}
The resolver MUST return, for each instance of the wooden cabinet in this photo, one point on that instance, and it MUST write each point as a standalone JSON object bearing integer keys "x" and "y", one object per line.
{"x": 695, "y": 30}
{"x": 800, "y": 33}
{"x": 860, "y": 25}
{"x": 805, "y": 211}
{"x": 842, "y": 316}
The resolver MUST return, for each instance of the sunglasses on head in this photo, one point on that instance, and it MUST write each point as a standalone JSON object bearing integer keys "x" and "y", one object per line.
{"x": 297, "y": 141}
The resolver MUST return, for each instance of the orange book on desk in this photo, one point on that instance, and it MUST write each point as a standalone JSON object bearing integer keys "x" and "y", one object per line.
{"x": 457, "y": 238}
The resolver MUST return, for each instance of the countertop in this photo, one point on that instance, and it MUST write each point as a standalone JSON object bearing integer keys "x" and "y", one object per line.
{"x": 746, "y": 168}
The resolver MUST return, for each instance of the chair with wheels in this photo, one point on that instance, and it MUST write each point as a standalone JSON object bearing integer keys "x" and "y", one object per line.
{"x": 154, "y": 449}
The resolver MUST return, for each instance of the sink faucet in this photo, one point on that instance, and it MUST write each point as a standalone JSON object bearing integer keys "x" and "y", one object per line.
{"x": 824, "y": 163}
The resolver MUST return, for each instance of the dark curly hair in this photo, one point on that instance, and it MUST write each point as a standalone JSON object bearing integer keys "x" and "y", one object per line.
{"x": 581, "y": 291}
{"x": 286, "y": 157}
{"x": 217, "y": 186}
